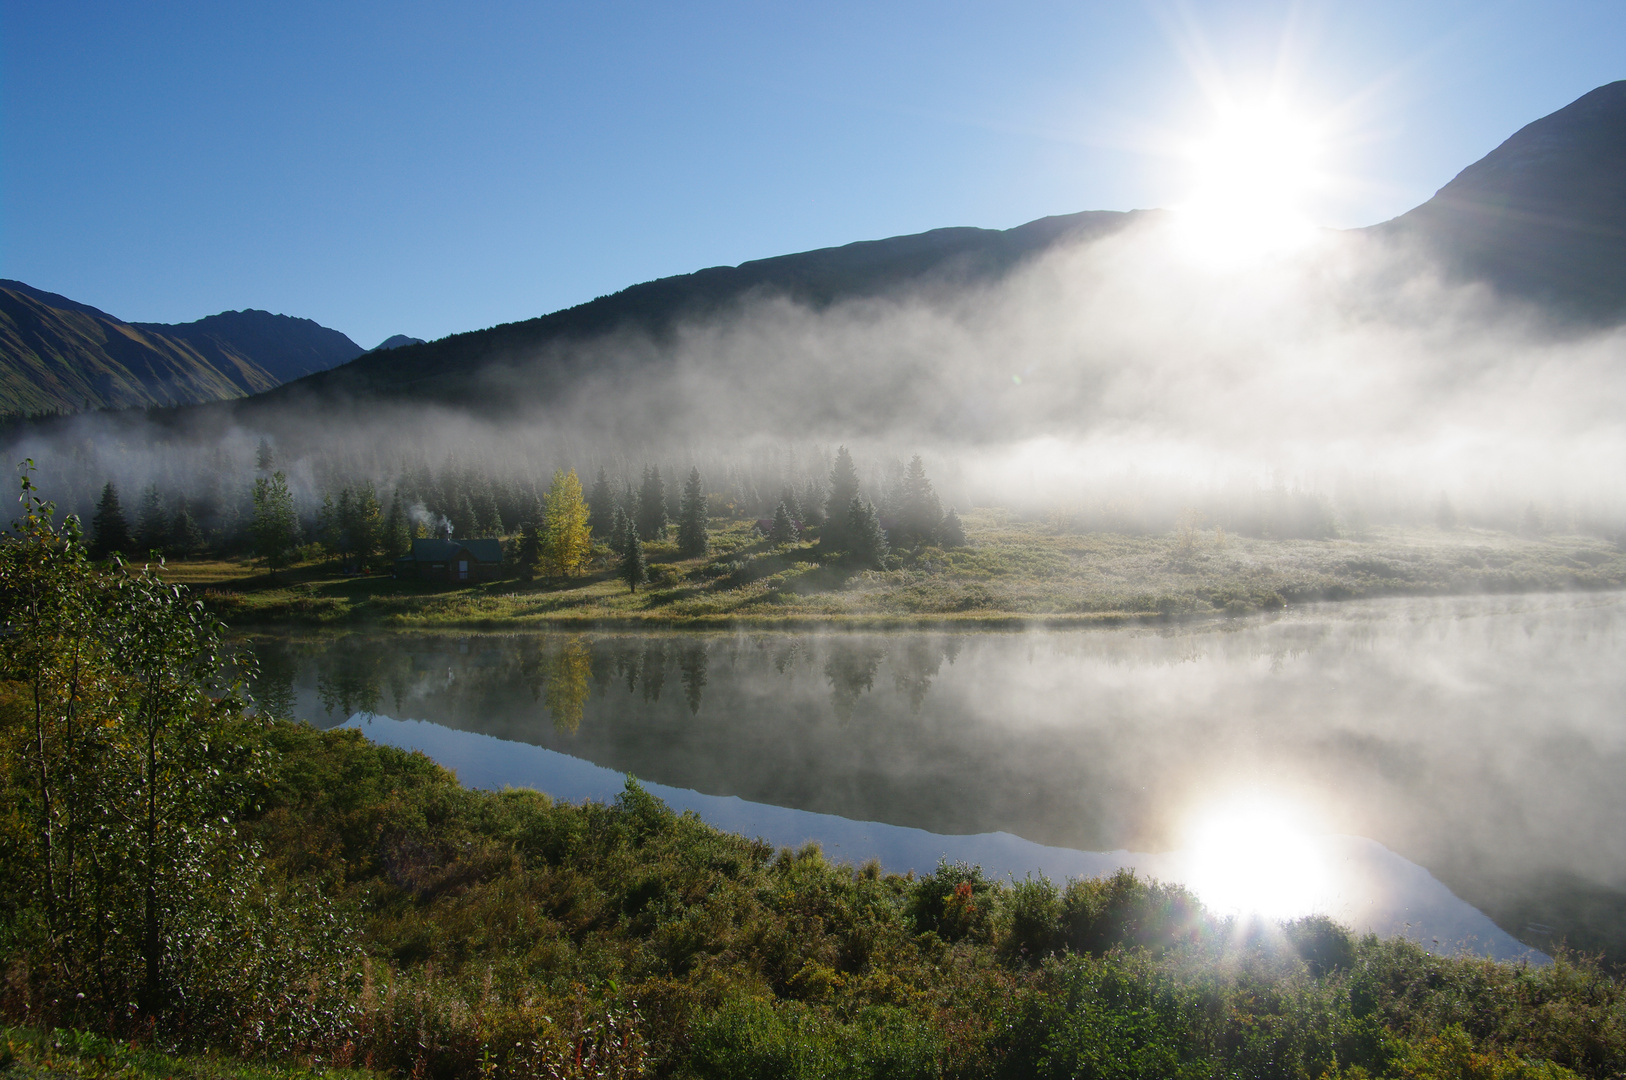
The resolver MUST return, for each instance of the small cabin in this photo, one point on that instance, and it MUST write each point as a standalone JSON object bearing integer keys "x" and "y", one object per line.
{"x": 452, "y": 560}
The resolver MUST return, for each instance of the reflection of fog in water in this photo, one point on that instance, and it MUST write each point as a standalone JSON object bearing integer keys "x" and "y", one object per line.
{"x": 1481, "y": 738}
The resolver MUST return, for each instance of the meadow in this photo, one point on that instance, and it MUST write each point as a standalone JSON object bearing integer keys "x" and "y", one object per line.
{"x": 1014, "y": 572}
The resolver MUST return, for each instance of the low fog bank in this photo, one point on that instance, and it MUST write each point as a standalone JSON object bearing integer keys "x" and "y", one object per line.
{"x": 1130, "y": 383}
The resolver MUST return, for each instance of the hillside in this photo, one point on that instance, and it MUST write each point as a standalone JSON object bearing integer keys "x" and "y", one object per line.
{"x": 58, "y": 355}
{"x": 1543, "y": 216}
{"x": 448, "y": 370}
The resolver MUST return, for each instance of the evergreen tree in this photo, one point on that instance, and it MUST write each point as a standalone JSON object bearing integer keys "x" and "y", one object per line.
{"x": 674, "y": 498}
{"x": 365, "y": 528}
{"x": 529, "y": 553}
{"x": 328, "y": 529}
{"x": 566, "y": 541}
{"x": 866, "y": 539}
{"x": 185, "y": 538}
{"x": 112, "y": 531}
{"x": 152, "y": 524}
{"x": 812, "y": 501}
{"x": 836, "y": 535}
{"x": 397, "y": 529}
{"x": 918, "y": 511}
{"x": 651, "y": 513}
{"x": 634, "y": 571}
{"x": 950, "y": 533}
{"x": 618, "y": 530}
{"x": 275, "y": 528}
{"x": 601, "y": 506}
{"x": 488, "y": 518}
{"x": 792, "y": 505}
{"x": 784, "y": 526}
{"x": 692, "y": 537}
{"x": 265, "y": 458}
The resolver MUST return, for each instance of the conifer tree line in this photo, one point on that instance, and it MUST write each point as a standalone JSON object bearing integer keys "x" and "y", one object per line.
{"x": 278, "y": 513}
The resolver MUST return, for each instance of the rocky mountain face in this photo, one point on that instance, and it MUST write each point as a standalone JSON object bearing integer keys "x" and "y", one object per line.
{"x": 60, "y": 356}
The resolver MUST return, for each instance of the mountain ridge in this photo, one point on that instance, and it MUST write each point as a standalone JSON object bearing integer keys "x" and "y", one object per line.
{"x": 1542, "y": 217}
{"x": 58, "y": 355}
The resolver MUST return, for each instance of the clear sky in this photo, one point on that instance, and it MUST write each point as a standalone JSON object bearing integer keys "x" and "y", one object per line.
{"x": 426, "y": 168}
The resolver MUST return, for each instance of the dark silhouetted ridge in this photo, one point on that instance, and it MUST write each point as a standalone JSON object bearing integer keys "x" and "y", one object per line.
{"x": 1543, "y": 216}
{"x": 449, "y": 370}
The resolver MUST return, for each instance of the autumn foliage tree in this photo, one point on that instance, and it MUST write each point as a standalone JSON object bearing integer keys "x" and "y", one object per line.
{"x": 566, "y": 540}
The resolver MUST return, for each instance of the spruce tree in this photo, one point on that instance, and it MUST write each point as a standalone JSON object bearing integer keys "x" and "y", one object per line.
{"x": 950, "y": 533}
{"x": 601, "y": 506}
{"x": 692, "y": 537}
{"x": 784, "y": 526}
{"x": 397, "y": 529}
{"x": 651, "y": 513}
{"x": 276, "y": 527}
{"x": 185, "y": 538}
{"x": 674, "y": 498}
{"x": 111, "y": 529}
{"x": 866, "y": 539}
{"x": 152, "y": 524}
{"x": 835, "y": 535}
{"x": 918, "y": 512}
{"x": 366, "y": 525}
{"x": 529, "y": 553}
{"x": 619, "y": 524}
{"x": 812, "y": 500}
{"x": 265, "y": 458}
{"x": 634, "y": 571}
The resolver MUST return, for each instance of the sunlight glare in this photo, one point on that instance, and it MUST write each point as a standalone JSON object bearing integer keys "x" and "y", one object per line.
{"x": 1256, "y": 856}
{"x": 1253, "y": 174}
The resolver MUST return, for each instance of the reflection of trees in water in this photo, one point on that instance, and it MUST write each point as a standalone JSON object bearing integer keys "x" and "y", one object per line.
{"x": 787, "y": 653}
{"x": 347, "y": 678}
{"x": 851, "y": 669}
{"x": 692, "y": 672}
{"x": 914, "y": 665}
{"x": 652, "y": 670}
{"x": 531, "y": 661}
{"x": 566, "y": 691}
{"x": 273, "y": 687}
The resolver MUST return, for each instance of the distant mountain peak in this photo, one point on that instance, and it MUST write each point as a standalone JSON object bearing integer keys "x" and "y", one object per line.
{"x": 395, "y": 341}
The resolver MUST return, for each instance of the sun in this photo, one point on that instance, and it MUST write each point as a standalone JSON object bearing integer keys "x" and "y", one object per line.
{"x": 1253, "y": 174}
{"x": 1255, "y": 855}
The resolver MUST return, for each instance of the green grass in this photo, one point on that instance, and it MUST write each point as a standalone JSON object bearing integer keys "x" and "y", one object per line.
{"x": 69, "y": 1054}
{"x": 1014, "y": 573}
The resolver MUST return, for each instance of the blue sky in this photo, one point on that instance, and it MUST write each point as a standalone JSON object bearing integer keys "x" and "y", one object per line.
{"x": 426, "y": 168}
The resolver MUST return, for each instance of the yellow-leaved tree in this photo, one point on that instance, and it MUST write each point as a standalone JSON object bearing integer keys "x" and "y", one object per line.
{"x": 566, "y": 540}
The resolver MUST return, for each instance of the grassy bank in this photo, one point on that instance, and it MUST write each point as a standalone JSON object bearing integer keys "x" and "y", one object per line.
{"x": 71, "y": 1054}
{"x": 498, "y": 935}
{"x": 1014, "y": 572}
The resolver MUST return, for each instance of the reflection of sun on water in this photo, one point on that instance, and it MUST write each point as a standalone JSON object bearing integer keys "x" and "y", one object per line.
{"x": 1256, "y": 856}
{"x": 1254, "y": 172}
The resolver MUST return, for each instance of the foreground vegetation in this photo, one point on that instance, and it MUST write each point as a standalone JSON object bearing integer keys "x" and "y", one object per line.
{"x": 503, "y": 934}
{"x": 1011, "y": 572}
{"x": 181, "y": 878}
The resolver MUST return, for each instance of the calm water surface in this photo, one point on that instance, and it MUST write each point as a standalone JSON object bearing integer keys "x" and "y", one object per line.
{"x": 1446, "y": 769}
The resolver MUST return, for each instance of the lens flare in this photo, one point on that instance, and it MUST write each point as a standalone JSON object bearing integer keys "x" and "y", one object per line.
{"x": 1254, "y": 172}
{"x": 1256, "y": 856}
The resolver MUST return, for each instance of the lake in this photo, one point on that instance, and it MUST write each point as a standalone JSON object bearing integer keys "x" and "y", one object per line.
{"x": 1447, "y": 769}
